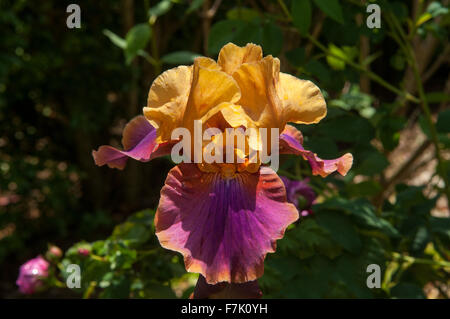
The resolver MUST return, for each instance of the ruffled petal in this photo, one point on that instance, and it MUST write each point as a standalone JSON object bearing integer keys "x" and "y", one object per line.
{"x": 232, "y": 115}
{"x": 259, "y": 98}
{"x": 303, "y": 103}
{"x": 223, "y": 227}
{"x": 167, "y": 100}
{"x": 291, "y": 143}
{"x": 210, "y": 87}
{"x": 231, "y": 57}
{"x": 139, "y": 141}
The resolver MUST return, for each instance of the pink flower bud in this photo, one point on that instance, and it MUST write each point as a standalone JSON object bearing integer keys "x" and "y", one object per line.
{"x": 31, "y": 275}
{"x": 84, "y": 251}
{"x": 55, "y": 252}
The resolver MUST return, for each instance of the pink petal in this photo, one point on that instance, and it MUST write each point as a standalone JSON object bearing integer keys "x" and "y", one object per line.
{"x": 139, "y": 141}
{"x": 223, "y": 227}
{"x": 291, "y": 143}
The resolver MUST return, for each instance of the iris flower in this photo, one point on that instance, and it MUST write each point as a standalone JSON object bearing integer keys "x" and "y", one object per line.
{"x": 224, "y": 218}
{"x": 298, "y": 190}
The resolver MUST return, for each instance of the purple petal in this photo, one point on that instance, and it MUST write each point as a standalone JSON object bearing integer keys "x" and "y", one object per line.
{"x": 291, "y": 143}
{"x": 139, "y": 141}
{"x": 295, "y": 188}
{"x": 223, "y": 227}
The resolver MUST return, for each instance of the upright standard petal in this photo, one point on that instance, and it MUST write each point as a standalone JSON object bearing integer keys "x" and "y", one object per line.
{"x": 303, "y": 103}
{"x": 291, "y": 143}
{"x": 231, "y": 57}
{"x": 258, "y": 86}
{"x": 223, "y": 227}
{"x": 210, "y": 87}
{"x": 167, "y": 100}
{"x": 139, "y": 141}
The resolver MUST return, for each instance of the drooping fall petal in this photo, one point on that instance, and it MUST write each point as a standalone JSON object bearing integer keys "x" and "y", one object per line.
{"x": 303, "y": 103}
{"x": 223, "y": 227}
{"x": 291, "y": 143}
{"x": 139, "y": 141}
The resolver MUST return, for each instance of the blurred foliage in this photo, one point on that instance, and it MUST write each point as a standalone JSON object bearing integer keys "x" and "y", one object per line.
{"x": 64, "y": 92}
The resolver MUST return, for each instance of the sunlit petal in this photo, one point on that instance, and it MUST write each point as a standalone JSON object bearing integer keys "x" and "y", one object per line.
{"x": 223, "y": 227}
{"x": 167, "y": 100}
{"x": 303, "y": 103}
{"x": 290, "y": 143}
{"x": 231, "y": 56}
{"x": 139, "y": 141}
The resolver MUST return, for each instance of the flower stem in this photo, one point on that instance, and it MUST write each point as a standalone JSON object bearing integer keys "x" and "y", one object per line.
{"x": 413, "y": 260}
{"x": 409, "y": 52}
{"x": 375, "y": 77}
{"x": 434, "y": 136}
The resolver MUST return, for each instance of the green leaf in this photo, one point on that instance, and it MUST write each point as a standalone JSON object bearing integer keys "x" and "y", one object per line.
{"x": 388, "y": 130}
{"x": 158, "y": 10}
{"x": 136, "y": 229}
{"x": 194, "y": 6}
{"x": 319, "y": 70}
{"x": 398, "y": 61}
{"x": 324, "y": 146}
{"x": 331, "y": 8}
{"x": 301, "y": 15}
{"x": 223, "y": 32}
{"x": 272, "y": 39}
{"x": 296, "y": 56}
{"x": 137, "y": 39}
{"x": 437, "y": 97}
{"x": 373, "y": 164}
{"x": 436, "y": 8}
{"x": 339, "y": 56}
{"x": 362, "y": 212}
{"x": 118, "y": 41}
{"x": 420, "y": 240}
{"x": 354, "y": 99}
{"x": 423, "y": 123}
{"x": 357, "y": 129}
{"x": 365, "y": 188}
{"x": 134, "y": 233}
{"x": 180, "y": 57}
{"x": 423, "y": 18}
{"x": 406, "y": 290}
{"x": 333, "y": 60}
{"x": 122, "y": 258}
{"x": 441, "y": 227}
{"x": 307, "y": 239}
{"x": 443, "y": 122}
{"x": 118, "y": 288}
{"x": 243, "y": 14}
{"x": 341, "y": 230}
{"x": 158, "y": 291}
